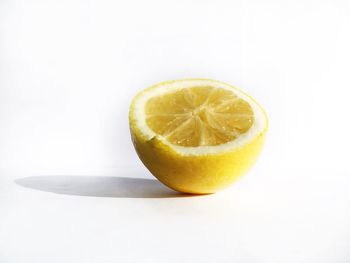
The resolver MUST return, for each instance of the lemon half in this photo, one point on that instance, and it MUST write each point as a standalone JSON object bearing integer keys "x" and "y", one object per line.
{"x": 196, "y": 135}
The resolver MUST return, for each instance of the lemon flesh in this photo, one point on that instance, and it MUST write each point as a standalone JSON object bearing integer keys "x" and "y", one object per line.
{"x": 199, "y": 116}
{"x": 197, "y": 135}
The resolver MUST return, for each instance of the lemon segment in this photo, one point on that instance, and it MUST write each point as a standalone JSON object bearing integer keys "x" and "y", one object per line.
{"x": 196, "y": 135}
{"x": 199, "y": 116}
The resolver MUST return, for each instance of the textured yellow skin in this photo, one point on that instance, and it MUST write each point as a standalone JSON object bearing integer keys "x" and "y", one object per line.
{"x": 201, "y": 174}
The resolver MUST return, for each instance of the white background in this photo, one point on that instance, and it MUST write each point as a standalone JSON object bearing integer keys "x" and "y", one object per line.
{"x": 68, "y": 71}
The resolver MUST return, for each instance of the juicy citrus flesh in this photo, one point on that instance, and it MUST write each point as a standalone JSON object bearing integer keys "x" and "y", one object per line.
{"x": 199, "y": 116}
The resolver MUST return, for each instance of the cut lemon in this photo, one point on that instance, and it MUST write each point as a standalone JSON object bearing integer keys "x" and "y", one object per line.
{"x": 196, "y": 135}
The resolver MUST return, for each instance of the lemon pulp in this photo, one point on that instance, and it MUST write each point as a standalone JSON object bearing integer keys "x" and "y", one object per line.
{"x": 199, "y": 116}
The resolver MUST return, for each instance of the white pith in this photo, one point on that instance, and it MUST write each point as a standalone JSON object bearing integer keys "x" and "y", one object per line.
{"x": 139, "y": 116}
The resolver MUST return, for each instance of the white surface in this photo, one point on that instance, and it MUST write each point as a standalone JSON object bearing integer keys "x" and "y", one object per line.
{"x": 68, "y": 71}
